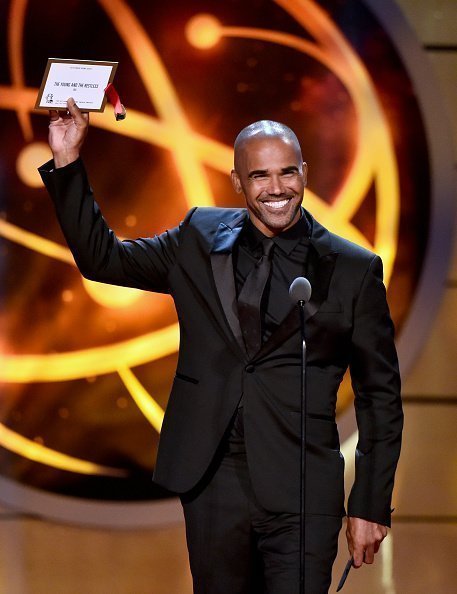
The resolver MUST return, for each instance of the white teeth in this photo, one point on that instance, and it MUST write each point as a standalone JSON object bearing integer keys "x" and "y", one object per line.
{"x": 277, "y": 204}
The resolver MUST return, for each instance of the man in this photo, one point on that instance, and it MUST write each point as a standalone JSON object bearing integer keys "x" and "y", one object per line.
{"x": 230, "y": 442}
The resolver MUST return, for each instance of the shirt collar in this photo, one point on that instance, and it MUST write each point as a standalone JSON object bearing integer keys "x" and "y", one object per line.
{"x": 287, "y": 241}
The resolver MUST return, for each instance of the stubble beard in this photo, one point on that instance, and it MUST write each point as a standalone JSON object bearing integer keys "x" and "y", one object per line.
{"x": 279, "y": 221}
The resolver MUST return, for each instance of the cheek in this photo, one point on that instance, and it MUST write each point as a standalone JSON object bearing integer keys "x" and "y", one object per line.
{"x": 297, "y": 187}
{"x": 255, "y": 191}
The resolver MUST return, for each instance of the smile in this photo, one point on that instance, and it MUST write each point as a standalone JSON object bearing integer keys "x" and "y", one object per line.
{"x": 277, "y": 203}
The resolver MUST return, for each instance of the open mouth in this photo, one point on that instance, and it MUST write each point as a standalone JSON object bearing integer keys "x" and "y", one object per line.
{"x": 277, "y": 204}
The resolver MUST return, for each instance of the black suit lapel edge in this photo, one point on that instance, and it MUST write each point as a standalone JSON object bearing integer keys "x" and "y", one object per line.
{"x": 222, "y": 266}
{"x": 321, "y": 263}
{"x": 287, "y": 327}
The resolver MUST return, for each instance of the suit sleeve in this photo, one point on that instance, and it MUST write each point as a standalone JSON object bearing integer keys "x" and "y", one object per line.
{"x": 143, "y": 263}
{"x": 376, "y": 383}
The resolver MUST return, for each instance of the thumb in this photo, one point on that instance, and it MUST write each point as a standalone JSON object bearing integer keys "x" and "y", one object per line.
{"x": 79, "y": 118}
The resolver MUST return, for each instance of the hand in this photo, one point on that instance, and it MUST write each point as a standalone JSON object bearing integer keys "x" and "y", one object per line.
{"x": 364, "y": 539}
{"x": 67, "y": 132}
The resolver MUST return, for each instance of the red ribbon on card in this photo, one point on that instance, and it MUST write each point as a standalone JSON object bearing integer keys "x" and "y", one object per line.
{"x": 113, "y": 98}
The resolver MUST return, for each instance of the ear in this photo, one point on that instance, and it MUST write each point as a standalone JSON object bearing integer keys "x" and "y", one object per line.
{"x": 305, "y": 173}
{"x": 236, "y": 183}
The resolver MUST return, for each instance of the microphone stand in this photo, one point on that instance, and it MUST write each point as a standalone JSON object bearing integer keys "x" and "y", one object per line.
{"x": 301, "y": 307}
{"x": 300, "y": 293}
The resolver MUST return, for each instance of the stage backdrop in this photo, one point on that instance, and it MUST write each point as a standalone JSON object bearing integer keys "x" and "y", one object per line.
{"x": 86, "y": 368}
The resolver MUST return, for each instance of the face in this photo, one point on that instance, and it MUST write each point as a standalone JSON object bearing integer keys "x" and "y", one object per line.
{"x": 272, "y": 177}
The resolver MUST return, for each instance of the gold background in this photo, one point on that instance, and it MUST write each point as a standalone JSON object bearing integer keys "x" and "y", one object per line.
{"x": 86, "y": 368}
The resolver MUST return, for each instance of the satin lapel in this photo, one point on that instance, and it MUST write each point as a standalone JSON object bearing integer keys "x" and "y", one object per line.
{"x": 319, "y": 269}
{"x": 319, "y": 273}
{"x": 222, "y": 265}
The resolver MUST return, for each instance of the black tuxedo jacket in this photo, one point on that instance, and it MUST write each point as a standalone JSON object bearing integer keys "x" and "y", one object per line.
{"x": 348, "y": 324}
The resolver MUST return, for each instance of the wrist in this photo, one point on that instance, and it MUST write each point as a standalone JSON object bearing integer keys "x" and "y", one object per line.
{"x": 63, "y": 158}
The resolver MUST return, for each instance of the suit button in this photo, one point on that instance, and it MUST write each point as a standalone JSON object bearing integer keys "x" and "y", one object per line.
{"x": 249, "y": 368}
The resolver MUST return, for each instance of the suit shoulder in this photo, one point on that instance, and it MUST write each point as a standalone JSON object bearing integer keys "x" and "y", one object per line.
{"x": 325, "y": 241}
{"x": 350, "y": 249}
{"x": 207, "y": 217}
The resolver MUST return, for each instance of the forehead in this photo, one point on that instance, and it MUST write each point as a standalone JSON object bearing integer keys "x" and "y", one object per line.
{"x": 269, "y": 153}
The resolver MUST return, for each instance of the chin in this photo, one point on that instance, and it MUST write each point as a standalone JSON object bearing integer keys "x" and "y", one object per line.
{"x": 280, "y": 223}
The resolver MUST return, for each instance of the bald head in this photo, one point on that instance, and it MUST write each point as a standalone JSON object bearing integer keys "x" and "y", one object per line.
{"x": 264, "y": 129}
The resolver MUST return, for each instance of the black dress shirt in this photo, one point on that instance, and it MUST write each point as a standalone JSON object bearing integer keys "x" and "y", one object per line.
{"x": 289, "y": 260}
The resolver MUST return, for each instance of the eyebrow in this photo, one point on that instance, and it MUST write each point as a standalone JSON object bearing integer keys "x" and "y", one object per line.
{"x": 257, "y": 172}
{"x": 289, "y": 169}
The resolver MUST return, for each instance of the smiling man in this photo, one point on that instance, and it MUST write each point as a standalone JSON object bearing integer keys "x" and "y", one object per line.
{"x": 230, "y": 442}
{"x": 270, "y": 172}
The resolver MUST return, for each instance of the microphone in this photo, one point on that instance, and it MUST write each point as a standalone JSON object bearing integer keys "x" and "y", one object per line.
{"x": 300, "y": 290}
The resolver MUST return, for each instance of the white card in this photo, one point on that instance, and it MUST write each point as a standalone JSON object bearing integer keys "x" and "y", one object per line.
{"x": 83, "y": 80}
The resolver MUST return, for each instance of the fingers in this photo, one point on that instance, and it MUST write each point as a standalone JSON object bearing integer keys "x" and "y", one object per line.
{"x": 368, "y": 556}
{"x": 358, "y": 557}
{"x": 364, "y": 555}
{"x": 364, "y": 539}
{"x": 356, "y": 551}
{"x": 80, "y": 119}
{"x": 58, "y": 117}
{"x": 53, "y": 115}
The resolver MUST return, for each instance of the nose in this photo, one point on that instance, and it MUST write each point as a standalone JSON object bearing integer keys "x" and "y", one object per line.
{"x": 275, "y": 187}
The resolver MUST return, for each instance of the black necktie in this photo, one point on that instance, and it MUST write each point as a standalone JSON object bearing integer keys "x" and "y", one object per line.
{"x": 250, "y": 298}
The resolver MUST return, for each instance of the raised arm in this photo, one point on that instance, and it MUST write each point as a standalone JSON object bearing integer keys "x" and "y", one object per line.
{"x": 142, "y": 263}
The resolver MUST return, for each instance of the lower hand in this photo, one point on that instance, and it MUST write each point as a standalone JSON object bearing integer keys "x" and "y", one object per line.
{"x": 67, "y": 131}
{"x": 364, "y": 539}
